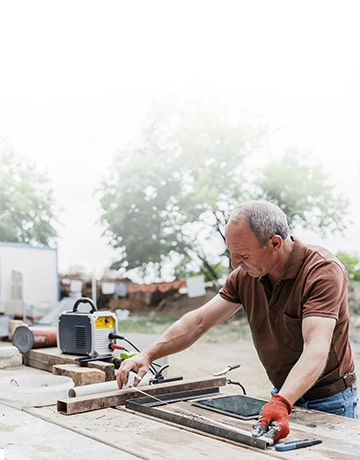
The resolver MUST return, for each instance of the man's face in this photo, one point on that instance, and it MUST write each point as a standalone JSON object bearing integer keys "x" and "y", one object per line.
{"x": 246, "y": 251}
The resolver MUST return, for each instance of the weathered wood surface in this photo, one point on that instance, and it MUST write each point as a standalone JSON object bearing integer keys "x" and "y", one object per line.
{"x": 340, "y": 435}
{"x": 28, "y": 437}
{"x": 107, "y": 368}
{"x": 79, "y": 375}
{"x": 45, "y": 358}
{"x": 119, "y": 397}
{"x": 145, "y": 438}
{"x": 149, "y": 438}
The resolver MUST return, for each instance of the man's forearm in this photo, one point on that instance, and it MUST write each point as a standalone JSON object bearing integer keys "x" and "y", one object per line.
{"x": 317, "y": 333}
{"x": 304, "y": 374}
{"x": 188, "y": 329}
{"x": 179, "y": 336}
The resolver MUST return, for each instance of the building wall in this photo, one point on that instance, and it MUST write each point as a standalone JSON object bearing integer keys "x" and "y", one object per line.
{"x": 35, "y": 271}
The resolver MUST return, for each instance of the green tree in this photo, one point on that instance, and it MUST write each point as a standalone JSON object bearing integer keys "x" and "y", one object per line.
{"x": 161, "y": 195}
{"x": 352, "y": 264}
{"x": 302, "y": 189}
{"x": 27, "y": 207}
{"x": 168, "y": 197}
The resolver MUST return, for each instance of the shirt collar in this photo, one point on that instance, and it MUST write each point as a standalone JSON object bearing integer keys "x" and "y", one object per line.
{"x": 296, "y": 260}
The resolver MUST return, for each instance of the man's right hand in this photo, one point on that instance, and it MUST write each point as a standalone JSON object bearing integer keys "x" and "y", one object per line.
{"x": 139, "y": 364}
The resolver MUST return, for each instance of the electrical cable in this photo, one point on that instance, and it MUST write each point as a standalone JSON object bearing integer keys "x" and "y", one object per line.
{"x": 237, "y": 383}
{"x": 121, "y": 337}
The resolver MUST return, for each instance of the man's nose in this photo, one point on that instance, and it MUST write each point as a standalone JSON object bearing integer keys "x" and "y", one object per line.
{"x": 235, "y": 261}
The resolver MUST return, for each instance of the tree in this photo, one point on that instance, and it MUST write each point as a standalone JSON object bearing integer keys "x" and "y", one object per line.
{"x": 188, "y": 165}
{"x": 27, "y": 207}
{"x": 168, "y": 198}
{"x": 352, "y": 264}
{"x": 302, "y": 190}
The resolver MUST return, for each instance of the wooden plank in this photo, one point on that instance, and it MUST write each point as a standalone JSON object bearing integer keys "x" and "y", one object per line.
{"x": 341, "y": 431}
{"x": 79, "y": 375}
{"x": 46, "y": 358}
{"x": 26, "y": 436}
{"x": 119, "y": 397}
{"x": 107, "y": 368}
{"x": 147, "y": 438}
{"x": 339, "y": 435}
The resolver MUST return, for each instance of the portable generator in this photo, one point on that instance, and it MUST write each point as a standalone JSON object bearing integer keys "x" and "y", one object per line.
{"x": 86, "y": 332}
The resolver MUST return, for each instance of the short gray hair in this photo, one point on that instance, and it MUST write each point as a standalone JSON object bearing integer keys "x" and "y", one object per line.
{"x": 265, "y": 220}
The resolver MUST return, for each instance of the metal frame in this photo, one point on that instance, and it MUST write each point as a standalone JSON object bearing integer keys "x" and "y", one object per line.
{"x": 150, "y": 406}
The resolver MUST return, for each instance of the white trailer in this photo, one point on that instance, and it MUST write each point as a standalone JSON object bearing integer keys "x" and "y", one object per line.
{"x": 29, "y": 280}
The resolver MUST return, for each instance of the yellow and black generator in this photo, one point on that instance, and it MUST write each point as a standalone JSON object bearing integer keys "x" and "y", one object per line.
{"x": 87, "y": 332}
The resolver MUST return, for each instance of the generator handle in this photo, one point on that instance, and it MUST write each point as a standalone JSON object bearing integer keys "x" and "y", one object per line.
{"x": 85, "y": 300}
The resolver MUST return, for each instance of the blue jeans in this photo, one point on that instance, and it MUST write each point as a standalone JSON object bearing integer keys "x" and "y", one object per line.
{"x": 344, "y": 403}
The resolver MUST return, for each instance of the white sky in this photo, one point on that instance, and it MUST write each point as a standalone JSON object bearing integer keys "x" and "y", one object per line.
{"x": 77, "y": 76}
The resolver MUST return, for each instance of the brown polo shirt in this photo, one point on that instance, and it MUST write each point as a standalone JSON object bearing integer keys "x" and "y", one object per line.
{"x": 314, "y": 284}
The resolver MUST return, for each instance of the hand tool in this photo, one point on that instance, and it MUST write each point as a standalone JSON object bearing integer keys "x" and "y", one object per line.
{"x": 226, "y": 370}
{"x": 269, "y": 431}
{"x": 274, "y": 418}
{"x": 230, "y": 382}
{"x": 298, "y": 444}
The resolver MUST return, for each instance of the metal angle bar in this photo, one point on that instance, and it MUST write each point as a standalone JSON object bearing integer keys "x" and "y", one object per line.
{"x": 191, "y": 420}
{"x": 174, "y": 397}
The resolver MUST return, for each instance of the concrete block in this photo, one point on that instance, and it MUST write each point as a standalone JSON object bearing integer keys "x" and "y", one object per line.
{"x": 10, "y": 356}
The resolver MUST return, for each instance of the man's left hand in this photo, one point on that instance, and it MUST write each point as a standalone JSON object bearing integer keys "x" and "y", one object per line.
{"x": 274, "y": 419}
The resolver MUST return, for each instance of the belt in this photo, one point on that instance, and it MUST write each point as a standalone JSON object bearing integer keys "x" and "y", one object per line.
{"x": 330, "y": 389}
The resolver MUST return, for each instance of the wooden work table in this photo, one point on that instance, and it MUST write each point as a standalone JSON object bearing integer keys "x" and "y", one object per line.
{"x": 102, "y": 427}
{"x": 116, "y": 433}
{"x": 119, "y": 433}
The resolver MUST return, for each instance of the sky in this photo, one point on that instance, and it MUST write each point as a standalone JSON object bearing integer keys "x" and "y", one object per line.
{"x": 77, "y": 78}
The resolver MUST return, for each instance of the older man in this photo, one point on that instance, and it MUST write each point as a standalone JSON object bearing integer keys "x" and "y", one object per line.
{"x": 295, "y": 299}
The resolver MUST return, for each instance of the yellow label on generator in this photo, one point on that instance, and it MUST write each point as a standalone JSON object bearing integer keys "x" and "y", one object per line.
{"x": 105, "y": 322}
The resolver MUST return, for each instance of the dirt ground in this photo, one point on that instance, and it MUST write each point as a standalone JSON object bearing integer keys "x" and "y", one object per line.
{"x": 205, "y": 358}
{"x": 212, "y": 354}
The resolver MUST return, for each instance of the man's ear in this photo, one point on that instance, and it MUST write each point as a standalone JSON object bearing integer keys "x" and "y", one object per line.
{"x": 276, "y": 242}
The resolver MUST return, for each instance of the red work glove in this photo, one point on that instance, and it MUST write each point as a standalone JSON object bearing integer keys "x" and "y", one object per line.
{"x": 274, "y": 417}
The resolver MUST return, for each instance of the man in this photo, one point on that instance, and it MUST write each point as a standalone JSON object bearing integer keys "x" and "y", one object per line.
{"x": 295, "y": 299}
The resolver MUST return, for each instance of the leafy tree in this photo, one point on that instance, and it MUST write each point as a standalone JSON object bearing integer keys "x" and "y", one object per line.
{"x": 26, "y": 203}
{"x": 301, "y": 188}
{"x": 352, "y": 264}
{"x": 190, "y": 164}
{"x": 168, "y": 197}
